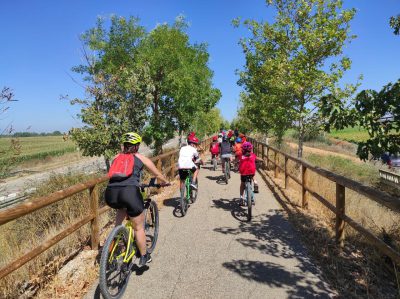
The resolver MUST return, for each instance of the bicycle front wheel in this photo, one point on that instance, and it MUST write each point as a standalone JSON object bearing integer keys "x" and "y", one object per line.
{"x": 215, "y": 164}
{"x": 184, "y": 204}
{"x": 248, "y": 198}
{"x": 114, "y": 272}
{"x": 151, "y": 226}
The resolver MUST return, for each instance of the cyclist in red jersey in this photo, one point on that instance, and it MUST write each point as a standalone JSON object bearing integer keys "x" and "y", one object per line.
{"x": 247, "y": 167}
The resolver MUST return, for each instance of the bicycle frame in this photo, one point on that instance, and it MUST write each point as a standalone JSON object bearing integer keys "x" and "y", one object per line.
{"x": 187, "y": 186}
{"x": 131, "y": 240}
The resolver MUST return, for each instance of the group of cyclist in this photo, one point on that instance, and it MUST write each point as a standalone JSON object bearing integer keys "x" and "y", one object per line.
{"x": 232, "y": 146}
{"x": 124, "y": 195}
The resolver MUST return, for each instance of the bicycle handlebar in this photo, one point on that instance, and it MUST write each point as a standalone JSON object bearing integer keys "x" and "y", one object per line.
{"x": 153, "y": 184}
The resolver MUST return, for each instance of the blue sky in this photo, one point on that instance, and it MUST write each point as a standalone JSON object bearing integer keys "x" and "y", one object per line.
{"x": 40, "y": 44}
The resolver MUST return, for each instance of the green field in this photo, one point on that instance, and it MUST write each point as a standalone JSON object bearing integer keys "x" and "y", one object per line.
{"x": 351, "y": 134}
{"x": 35, "y": 148}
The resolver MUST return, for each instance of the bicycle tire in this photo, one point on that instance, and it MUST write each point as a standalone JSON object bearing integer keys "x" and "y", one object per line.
{"x": 194, "y": 192}
{"x": 105, "y": 266}
{"x": 225, "y": 172}
{"x": 249, "y": 203}
{"x": 215, "y": 164}
{"x": 229, "y": 169}
{"x": 183, "y": 200}
{"x": 151, "y": 226}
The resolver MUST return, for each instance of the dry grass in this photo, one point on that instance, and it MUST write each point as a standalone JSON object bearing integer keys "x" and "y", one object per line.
{"x": 357, "y": 271}
{"x": 20, "y": 236}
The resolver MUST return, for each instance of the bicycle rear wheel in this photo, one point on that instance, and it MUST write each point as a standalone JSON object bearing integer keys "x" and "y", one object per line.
{"x": 194, "y": 192}
{"x": 114, "y": 272}
{"x": 248, "y": 198}
{"x": 184, "y": 204}
{"x": 215, "y": 164}
{"x": 151, "y": 226}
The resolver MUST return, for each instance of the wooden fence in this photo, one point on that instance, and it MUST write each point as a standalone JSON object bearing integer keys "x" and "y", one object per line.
{"x": 265, "y": 152}
{"x": 165, "y": 163}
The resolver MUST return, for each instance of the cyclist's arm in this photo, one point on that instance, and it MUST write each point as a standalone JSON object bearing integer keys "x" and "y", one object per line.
{"x": 153, "y": 169}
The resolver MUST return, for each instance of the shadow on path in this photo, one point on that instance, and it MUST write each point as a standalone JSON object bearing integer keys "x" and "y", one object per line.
{"x": 232, "y": 205}
{"x": 271, "y": 234}
{"x": 275, "y": 275}
{"x": 176, "y": 204}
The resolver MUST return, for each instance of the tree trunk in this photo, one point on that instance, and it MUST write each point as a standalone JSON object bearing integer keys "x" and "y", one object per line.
{"x": 301, "y": 138}
{"x": 107, "y": 162}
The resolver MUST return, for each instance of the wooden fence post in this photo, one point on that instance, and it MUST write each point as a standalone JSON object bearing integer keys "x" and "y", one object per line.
{"x": 340, "y": 207}
{"x": 172, "y": 165}
{"x": 94, "y": 225}
{"x": 267, "y": 158}
{"x": 263, "y": 156}
{"x": 286, "y": 176}
{"x": 304, "y": 201}
{"x": 276, "y": 166}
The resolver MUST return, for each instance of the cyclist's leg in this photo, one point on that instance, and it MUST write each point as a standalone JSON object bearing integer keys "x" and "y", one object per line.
{"x": 132, "y": 199}
{"x": 140, "y": 235}
{"x": 121, "y": 215}
{"x": 112, "y": 199}
{"x": 182, "y": 177}
{"x": 195, "y": 171}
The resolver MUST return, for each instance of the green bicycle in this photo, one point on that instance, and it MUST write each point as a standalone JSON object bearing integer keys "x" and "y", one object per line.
{"x": 187, "y": 192}
{"x": 120, "y": 249}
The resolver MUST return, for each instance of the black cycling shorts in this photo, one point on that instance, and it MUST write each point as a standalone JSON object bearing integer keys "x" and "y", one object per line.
{"x": 125, "y": 197}
{"x": 244, "y": 177}
{"x": 183, "y": 173}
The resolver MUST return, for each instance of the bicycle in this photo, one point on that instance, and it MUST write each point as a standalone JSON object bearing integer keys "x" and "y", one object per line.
{"x": 249, "y": 195}
{"x": 187, "y": 192}
{"x": 227, "y": 169}
{"x": 120, "y": 248}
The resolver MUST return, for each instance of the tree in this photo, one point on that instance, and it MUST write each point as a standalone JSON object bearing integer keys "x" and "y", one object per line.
{"x": 181, "y": 80}
{"x": 14, "y": 149}
{"x": 118, "y": 89}
{"x": 377, "y": 112}
{"x": 207, "y": 123}
{"x": 152, "y": 83}
{"x": 294, "y": 62}
{"x": 395, "y": 24}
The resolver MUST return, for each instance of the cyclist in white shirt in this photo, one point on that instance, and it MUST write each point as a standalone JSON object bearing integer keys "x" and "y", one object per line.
{"x": 188, "y": 157}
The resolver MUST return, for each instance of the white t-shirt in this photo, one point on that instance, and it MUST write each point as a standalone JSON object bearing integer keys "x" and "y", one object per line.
{"x": 186, "y": 155}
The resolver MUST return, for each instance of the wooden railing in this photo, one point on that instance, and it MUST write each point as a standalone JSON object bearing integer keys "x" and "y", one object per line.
{"x": 264, "y": 152}
{"x": 166, "y": 163}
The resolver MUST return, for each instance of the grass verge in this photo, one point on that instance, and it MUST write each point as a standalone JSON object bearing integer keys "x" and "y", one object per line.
{"x": 358, "y": 270}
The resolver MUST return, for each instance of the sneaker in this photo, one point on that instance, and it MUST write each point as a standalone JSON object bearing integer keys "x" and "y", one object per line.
{"x": 255, "y": 188}
{"x": 145, "y": 259}
{"x": 242, "y": 202}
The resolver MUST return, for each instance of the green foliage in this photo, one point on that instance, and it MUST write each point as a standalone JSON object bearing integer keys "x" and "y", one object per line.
{"x": 378, "y": 113}
{"x": 207, "y": 123}
{"x": 292, "y": 63}
{"x": 152, "y": 83}
{"x": 181, "y": 78}
{"x": 395, "y": 24}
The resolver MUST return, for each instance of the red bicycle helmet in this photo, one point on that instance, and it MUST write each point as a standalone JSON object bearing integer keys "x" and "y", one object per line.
{"x": 247, "y": 146}
{"x": 215, "y": 138}
{"x": 193, "y": 139}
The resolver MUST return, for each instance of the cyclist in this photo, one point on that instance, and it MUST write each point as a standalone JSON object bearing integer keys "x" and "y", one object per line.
{"x": 247, "y": 167}
{"x": 214, "y": 148}
{"x": 188, "y": 158}
{"x": 225, "y": 151}
{"x": 243, "y": 137}
{"x": 238, "y": 150}
{"x": 220, "y": 137}
{"x": 124, "y": 195}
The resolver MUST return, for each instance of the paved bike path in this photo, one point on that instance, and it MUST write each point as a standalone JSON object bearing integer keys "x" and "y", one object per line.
{"x": 213, "y": 252}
